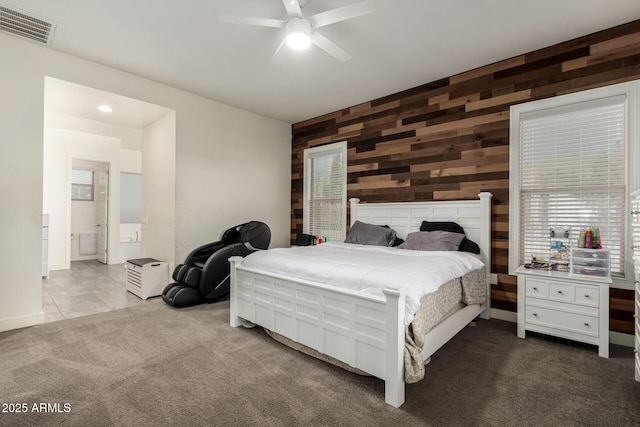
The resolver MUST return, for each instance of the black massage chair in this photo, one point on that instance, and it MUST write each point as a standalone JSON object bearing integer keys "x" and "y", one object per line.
{"x": 204, "y": 276}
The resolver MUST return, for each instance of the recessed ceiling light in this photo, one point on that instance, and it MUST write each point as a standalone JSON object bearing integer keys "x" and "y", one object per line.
{"x": 105, "y": 108}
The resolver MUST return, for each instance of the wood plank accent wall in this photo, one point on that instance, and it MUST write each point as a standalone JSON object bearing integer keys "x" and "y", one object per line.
{"x": 449, "y": 139}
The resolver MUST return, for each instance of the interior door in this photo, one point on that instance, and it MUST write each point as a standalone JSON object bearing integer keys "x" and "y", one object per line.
{"x": 102, "y": 201}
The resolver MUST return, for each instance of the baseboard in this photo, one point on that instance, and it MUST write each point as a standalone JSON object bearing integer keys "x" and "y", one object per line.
{"x": 21, "y": 321}
{"x": 617, "y": 338}
{"x": 508, "y": 316}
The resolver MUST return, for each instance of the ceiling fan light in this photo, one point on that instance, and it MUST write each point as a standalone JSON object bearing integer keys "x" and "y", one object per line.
{"x": 298, "y": 41}
{"x": 298, "y": 33}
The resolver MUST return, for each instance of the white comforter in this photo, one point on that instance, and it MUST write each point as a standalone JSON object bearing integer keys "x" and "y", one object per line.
{"x": 368, "y": 268}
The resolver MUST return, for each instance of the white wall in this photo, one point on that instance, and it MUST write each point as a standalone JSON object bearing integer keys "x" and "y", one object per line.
{"x": 229, "y": 171}
{"x": 159, "y": 190}
{"x": 60, "y": 147}
{"x": 130, "y": 138}
{"x": 231, "y": 165}
{"x": 131, "y": 160}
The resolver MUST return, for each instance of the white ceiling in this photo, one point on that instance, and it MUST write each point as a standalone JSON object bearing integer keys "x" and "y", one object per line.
{"x": 403, "y": 44}
{"x": 81, "y": 101}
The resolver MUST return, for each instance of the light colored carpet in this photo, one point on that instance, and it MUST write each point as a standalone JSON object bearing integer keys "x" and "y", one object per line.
{"x": 153, "y": 365}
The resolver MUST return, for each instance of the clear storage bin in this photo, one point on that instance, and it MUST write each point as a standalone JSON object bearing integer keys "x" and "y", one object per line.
{"x": 591, "y": 262}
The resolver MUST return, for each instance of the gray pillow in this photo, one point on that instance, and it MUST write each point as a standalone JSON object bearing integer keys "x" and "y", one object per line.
{"x": 369, "y": 234}
{"x": 432, "y": 241}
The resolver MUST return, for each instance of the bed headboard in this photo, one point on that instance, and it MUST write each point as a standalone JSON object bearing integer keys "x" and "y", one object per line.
{"x": 406, "y": 217}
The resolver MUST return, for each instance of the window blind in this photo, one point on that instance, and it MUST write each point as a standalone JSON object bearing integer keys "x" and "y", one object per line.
{"x": 326, "y": 199}
{"x": 82, "y": 184}
{"x": 572, "y": 176}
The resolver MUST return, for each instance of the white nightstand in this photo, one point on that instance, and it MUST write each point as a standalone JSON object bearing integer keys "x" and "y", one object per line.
{"x": 564, "y": 305}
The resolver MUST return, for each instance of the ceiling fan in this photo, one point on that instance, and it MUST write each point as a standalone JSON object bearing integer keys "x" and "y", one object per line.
{"x": 301, "y": 31}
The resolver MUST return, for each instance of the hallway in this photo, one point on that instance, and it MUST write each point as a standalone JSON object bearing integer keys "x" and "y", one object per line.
{"x": 88, "y": 287}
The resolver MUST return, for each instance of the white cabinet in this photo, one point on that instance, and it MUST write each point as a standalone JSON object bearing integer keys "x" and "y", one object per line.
{"x": 146, "y": 277}
{"x": 563, "y": 305}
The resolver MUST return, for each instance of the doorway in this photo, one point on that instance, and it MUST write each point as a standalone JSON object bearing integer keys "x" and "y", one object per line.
{"x": 132, "y": 136}
{"x": 89, "y": 211}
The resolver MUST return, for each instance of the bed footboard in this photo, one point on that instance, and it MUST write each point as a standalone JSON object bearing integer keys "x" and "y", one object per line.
{"x": 366, "y": 332}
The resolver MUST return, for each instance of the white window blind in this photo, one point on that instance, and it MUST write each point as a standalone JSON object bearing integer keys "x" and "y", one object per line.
{"x": 82, "y": 184}
{"x": 573, "y": 176}
{"x": 325, "y": 191}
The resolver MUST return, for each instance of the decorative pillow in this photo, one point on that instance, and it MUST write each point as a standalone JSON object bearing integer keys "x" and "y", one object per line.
{"x": 451, "y": 226}
{"x": 469, "y": 246}
{"x": 370, "y": 234}
{"x": 397, "y": 241}
{"x": 465, "y": 246}
{"x": 432, "y": 241}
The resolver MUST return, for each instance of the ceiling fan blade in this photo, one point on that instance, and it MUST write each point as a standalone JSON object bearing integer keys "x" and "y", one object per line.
{"x": 342, "y": 13}
{"x": 252, "y": 20}
{"x": 293, "y": 8}
{"x": 330, "y": 47}
{"x": 280, "y": 53}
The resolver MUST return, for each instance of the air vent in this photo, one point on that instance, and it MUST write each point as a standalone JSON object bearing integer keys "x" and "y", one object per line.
{"x": 25, "y": 24}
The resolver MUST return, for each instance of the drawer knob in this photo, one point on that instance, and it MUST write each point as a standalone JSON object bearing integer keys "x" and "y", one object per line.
{"x": 535, "y": 314}
{"x": 587, "y": 296}
{"x": 535, "y": 289}
{"x": 559, "y": 291}
{"x": 586, "y": 324}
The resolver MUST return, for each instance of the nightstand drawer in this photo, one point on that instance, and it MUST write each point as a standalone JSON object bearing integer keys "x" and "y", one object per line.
{"x": 587, "y": 295}
{"x": 537, "y": 288}
{"x": 561, "y": 291}
{"x": 561, "y": 320}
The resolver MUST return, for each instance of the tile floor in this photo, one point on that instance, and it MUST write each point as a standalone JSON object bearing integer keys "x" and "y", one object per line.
{"x": 88, "y": 287}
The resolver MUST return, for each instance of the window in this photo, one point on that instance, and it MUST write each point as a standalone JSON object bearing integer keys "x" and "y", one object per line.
{"x": 571, "y": 169}
{"x": 130, "y": 198}
{"x": 325, "y": 190}
{"x": 82, "y": 184}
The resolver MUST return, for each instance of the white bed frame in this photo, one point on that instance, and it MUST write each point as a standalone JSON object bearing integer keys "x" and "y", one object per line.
{"x": 364, "y": 331}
